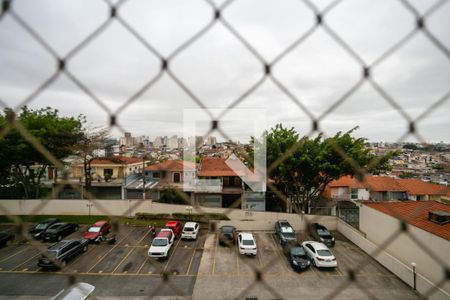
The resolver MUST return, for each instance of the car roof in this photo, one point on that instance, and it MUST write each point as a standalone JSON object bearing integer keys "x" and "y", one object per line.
{"x": 227, "y": 226}
{"x": 59, "y": 244}
{"x": 100, "y": 223}
{"x": 190, "y": 224}
{"x": 317, "y": 245}
{"x": 171, "y": 223}
{"x": 246, "y": 235}
{"x": 164, "y": 233}
{"x": 58, "y": 224}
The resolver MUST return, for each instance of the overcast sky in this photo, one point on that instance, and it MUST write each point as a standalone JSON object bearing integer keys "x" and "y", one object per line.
{"x": 217, "y": 68}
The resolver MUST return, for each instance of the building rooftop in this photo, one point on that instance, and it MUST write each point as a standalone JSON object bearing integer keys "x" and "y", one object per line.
{"x": 347, "y": 181}
{"x": 172, "y": 165}
{"x": 416, "y": 213}
{"x": 215, "y": 166}
{"x": 419, "y": 187}
{"x": 116, "y": 160}
{"x": 383, "y": 183}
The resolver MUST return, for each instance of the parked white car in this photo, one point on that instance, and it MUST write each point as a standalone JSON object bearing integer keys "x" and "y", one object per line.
{"x": 320, "y": 255}
{"x": 161, "y": 244}
{"x": 190, "y": 231}
{"x": 246, "y": 243}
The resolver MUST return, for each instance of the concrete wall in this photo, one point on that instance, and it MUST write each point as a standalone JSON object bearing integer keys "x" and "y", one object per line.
{"x": 242, "y": 220}
{"x": 398, "y": 255}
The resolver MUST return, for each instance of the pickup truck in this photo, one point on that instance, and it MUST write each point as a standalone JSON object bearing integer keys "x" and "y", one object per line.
{"x": 161, "y": 244}
{"x": 177, "y": 227}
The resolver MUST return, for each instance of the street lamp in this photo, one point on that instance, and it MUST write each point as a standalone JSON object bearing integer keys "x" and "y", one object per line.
{"x": 189, "y": 209}
{"x": 89, "y": 205}
{"x": 413, "y": 265}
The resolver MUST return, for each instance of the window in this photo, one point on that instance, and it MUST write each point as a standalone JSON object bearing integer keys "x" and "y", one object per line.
{"x": 354, "y": 193}
{"x": 156, "y": 175}
{"x": 176, "y": 177}
{"x": 107, "y": 173}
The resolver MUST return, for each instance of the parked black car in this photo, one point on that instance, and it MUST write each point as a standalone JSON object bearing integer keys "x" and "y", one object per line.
{"x": 57, "y": 231}
{"x": 297, "y": 256}
{"x": 58, "y": 254}
{"x": 227, "y": 235}
{"x": 6, "y": 237}
{"x": 285, "y": 232}
{"x": 37, "y": 230}
{"x": 321, "y": 233}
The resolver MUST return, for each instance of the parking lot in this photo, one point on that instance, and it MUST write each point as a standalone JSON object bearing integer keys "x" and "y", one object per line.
{"x": 224, "y": 274}
{"x": 199, "y": 268}
{"x": 128, "y": 257}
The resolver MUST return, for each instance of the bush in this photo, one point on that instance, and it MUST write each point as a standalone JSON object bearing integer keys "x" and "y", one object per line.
{"x": 150, "y": 216}
{"x": 171, "y": 196}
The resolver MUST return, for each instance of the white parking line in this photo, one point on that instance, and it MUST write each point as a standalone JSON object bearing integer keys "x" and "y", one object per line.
{"x": 104, "y": 255}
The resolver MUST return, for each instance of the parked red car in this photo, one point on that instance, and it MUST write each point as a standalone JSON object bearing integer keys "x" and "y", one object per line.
{"x": 96, "y": 230}
{"x": 177, "y": 227}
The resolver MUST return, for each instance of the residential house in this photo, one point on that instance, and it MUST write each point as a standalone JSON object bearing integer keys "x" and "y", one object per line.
{"x": 383, "y": 188}
{"x": 420, "y": 190}
{"x": 170, "y": 173}
{"x": 348, "y": 188}
{"x": 109, "y": 175}
{"x": 377, "y": 188}
{"x": 111, "y": 169}
{"x": 210, "y": 183}
{"x": 232, "y": 187}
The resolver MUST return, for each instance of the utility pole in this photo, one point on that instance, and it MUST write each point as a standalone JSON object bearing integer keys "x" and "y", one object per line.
{"x": 143, "y": 177}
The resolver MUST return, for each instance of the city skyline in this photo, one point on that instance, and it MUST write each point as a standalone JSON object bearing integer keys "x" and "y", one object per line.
{"x": 217, "y": 68}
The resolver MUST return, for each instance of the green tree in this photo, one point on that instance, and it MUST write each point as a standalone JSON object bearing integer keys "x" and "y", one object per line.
{"x": 302, "y": 167}
{"x": 22, "y": 164}
{"x": 171, "y": 195}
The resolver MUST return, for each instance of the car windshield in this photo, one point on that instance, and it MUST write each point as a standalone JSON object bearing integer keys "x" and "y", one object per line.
{"x": 41, "y": 226}
{"x": 53, "y": 228}
{"x": 323, "y": 232}
{"x": 298, "y": 252}
{"x": 287, "y": 229}
{"x": 247, "y": 242}
{"x": 159, "y": 242}
{"x": 324, "y": 253}
{"x": 188, "y": 229}
{"x": 52, "y": 253}
{"x": 227, "y": 229}
{"x": 94, "y": 229}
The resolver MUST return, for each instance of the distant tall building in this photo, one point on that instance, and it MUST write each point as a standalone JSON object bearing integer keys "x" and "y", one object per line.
{"x": 173, "y": 142}
{"x": 182, "y": 143}
{"x": 159, "y": 142}
{"x": 126, "y": 140}
{"x": 144, "y": 140}
{"x": 211, "y": 140}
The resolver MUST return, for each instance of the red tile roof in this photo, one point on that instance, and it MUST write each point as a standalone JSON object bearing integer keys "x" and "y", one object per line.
{"x": 416, "y": 214}
{"x": 214, "y": 166}
{"x": 172, "y": 165}
{"x": 419, "y": 187}
{"x": 116, "y": 160}
{"x": 347, "y": 181}
{"x": 383, "y": 183}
